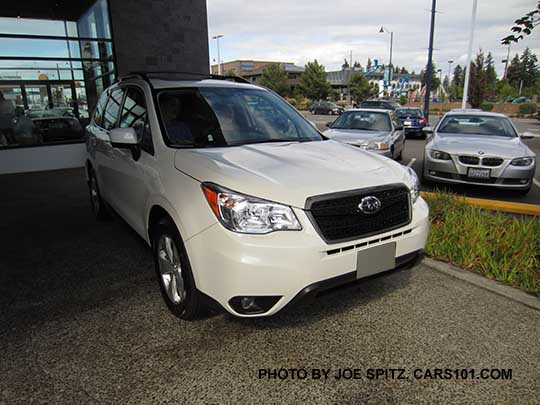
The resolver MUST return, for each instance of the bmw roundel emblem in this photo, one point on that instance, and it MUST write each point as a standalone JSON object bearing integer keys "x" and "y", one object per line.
{"x": 369, "y": 205}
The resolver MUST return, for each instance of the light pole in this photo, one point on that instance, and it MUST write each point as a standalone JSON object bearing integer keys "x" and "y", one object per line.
{"x": 505, "y": 61}
{"x": 430, "y": 59}
{"x": 469, "y": 56}
{"x": 450, "y": 72}
{"x": 382, "y": 31}
{"x": 217, "y": 37}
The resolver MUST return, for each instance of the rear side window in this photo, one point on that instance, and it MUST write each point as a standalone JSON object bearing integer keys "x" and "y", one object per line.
{"x": 113, "y": 107}
{"x": 100, "y": 108}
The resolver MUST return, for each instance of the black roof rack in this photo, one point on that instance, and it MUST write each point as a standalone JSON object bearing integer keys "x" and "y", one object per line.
{"x": 146, "y": 75}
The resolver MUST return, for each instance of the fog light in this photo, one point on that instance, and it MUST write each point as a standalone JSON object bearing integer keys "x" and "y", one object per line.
{"x": 247, "y": 303}
{"x": 432, "y": 172}
{"x": 524, "y": 181}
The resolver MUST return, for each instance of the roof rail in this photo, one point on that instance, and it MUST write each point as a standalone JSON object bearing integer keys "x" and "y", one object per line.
{"x": 145, "y": 75}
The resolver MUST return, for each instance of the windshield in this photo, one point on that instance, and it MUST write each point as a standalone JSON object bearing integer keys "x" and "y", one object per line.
{"x": 364, "y": 120}
{"x": 224, "y": 116}
{"x": 476, "y": 125}
{"x": 409, "y": 112}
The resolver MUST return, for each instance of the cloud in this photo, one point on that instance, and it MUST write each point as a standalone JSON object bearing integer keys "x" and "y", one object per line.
{"x": 302, "y": 30}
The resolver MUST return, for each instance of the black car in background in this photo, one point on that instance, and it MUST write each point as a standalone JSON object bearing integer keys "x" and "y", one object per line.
{"x": 413, "y": 121}
{"x": 58, "y": 129}
{"x": 380, "y": 104}
{"x": 326, "y": 107}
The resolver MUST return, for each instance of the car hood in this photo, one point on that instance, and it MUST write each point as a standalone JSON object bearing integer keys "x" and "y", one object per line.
{"x": 355, "y": 136}
{"x": 473, "y": 144}
{"x": 290, "y": 172}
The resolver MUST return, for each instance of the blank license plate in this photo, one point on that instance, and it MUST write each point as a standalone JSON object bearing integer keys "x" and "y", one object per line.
{"x": 408, "y": 123}
{"x": 478, "y": 173}
{"x": 376, "y": 260}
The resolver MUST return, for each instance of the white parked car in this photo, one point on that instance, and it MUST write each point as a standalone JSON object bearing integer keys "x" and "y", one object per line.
{"x": 244, "y": 203}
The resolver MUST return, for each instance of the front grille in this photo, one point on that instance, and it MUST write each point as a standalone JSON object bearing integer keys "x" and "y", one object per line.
{"x": 337, "y": 217}
{"x": 469, "y": 160}
{"x": 492, "y": 161}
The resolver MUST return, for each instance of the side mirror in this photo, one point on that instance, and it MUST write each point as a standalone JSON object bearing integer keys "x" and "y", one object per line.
{"x": 527, "y": 135}
{"x": 328, "y": 124}
{"x": 123, "y": 138}
{"x": 427, "y": 130}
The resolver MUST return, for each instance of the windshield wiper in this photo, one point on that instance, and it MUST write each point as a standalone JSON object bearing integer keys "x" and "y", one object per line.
{"x": 270, "y": 141}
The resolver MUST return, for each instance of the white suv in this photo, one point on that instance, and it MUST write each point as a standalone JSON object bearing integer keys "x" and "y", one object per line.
{"x": 244, "y": 203}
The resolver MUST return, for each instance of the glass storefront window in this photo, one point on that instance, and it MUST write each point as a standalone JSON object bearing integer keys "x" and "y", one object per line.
{"x": 49, "y": 86}
{"x": 95, "y": 22}
{"x": 28, "y": 26}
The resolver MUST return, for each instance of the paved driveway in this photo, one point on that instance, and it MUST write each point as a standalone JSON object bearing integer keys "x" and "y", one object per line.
{"x": 81, "y": 321}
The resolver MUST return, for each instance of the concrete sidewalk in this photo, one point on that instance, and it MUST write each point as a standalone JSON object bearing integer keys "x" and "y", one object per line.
{"x": 82, "y": 321}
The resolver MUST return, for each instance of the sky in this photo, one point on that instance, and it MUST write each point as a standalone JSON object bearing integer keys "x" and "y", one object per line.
{"x": 302, "y": 30}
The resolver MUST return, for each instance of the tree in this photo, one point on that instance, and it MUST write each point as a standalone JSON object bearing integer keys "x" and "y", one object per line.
{"x": 523, "y": 26}
{"x": 524, "y": 69}
{"x": 230, "y": 73}
{"x": 345, "y": 65}
{"x": 491, "y": 78}
{"x": 274, "y": 77}
{"x": 361, "y": 88}
{"x": 505, "y": 91}
{"x": 456, "y": 89}
{"x": 313, "y": 82}
{"x": 368, "y": 66}
{"x": 477, "y": 81}
{"x": 435, "y": 82}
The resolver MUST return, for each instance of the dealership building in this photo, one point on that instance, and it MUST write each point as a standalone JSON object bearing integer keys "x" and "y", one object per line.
{"x": 57, "y": 57}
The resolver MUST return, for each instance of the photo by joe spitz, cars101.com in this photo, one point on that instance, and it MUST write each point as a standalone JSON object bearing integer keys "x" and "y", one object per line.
{"x": 245, "y": 204}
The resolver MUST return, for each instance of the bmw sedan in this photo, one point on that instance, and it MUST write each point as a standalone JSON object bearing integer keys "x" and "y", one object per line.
{"x": 378, "y": 131}
{"x": 480, "y": 148}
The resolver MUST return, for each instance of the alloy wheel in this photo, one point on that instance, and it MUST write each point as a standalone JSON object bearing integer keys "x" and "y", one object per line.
{"x": 170, "y": 270}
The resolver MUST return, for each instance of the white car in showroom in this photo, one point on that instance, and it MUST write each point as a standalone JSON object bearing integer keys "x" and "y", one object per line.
{"x": 244, "y": 203}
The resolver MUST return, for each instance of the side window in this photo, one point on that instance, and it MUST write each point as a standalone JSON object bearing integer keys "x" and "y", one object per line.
{"x": 100, "y": 108}
{"x": 113, "y": 107}
{"x": 396, "y": 121}
{"x": 134, "y": 115}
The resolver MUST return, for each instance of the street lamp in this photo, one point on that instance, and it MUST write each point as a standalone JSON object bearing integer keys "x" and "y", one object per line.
{"x": 383, "y": 30}
{"x": 450, "y": 71}
{"x": 217, "y": 37}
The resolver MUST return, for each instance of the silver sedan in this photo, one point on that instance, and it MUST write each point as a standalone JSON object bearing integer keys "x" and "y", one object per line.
{"x": 378, "y": 131}
{"x": 480, "y": 148}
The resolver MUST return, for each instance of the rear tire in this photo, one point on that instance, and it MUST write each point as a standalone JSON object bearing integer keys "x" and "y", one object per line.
{"x": 173, "y": 269}
{"x": 99, "y": 206}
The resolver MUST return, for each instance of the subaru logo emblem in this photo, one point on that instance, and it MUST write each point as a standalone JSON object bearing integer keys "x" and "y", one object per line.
{"x": 480, "y": 152}
{"x": 369, "y": 205}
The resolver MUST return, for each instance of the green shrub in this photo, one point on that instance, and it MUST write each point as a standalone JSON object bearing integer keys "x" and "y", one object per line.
{"x": 499, "y": 246}
{"x": 403, "y": 99}
{"x": 527, "y": 108}
{"x": 485, "y": 106}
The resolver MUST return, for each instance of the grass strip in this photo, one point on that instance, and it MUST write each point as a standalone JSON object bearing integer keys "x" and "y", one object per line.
{"x": 499, "y": 246}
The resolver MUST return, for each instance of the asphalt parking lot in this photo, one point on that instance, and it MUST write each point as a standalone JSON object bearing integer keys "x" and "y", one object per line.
{"x": 413, "y": 155}
{"x": 82, "y": 321}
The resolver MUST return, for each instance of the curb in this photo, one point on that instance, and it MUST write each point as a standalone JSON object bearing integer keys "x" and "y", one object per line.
{"x": 480, "y": 281}
{"x": 495, "y": 205}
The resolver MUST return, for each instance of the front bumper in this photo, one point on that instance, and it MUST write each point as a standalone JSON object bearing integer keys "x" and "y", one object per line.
{"x": 227, "y": 265}
{"x": 455, "y": 172}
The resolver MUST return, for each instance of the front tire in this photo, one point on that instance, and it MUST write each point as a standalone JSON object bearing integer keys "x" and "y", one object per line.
{"x": 99, "y": 206}
{"x": 173, "y": 269}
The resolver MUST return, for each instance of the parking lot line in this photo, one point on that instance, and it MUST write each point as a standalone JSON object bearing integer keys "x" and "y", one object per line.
{"x": 536, "y": 183}
{"x": 411, "y": 162}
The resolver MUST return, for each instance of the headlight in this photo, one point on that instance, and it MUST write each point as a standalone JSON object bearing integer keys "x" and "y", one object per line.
{"x": 244, "y": 214}
{"x": 523, "y": 161}
{"x": 415, "y": 184}
{"x": 437, "y": 154}
{"x": 375, "y": 146}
